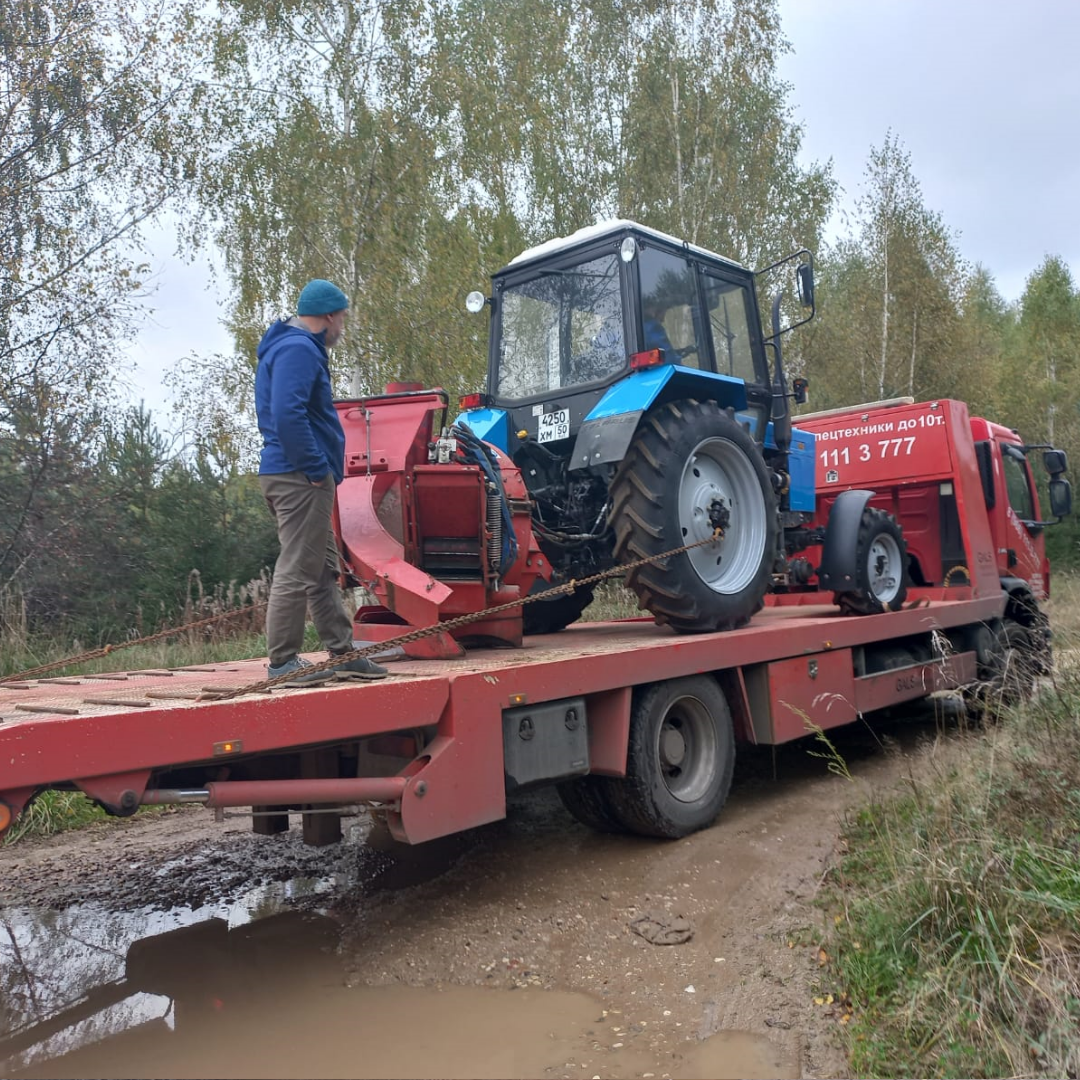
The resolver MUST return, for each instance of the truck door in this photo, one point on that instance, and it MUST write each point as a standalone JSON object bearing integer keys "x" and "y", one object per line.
{"x": 1021, "y": 548}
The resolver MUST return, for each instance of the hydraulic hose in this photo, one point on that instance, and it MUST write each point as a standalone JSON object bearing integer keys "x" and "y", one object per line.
{"x": 474, "y": 451}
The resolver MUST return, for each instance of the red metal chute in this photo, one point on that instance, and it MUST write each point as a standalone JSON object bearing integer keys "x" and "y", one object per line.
{"x": 422, "y": 534}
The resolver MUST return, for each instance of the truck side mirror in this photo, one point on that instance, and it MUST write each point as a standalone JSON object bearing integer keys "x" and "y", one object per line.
{"x": 1060, "y": 497}
{"x": 1056, "y": 462}
{"x": 805, "y": 275}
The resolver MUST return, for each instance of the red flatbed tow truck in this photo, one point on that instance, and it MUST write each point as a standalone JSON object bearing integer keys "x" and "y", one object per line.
{"x": 636, "y": 724}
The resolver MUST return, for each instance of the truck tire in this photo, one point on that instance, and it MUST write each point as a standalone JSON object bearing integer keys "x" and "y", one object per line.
{"x": 586, "y": 797}
{"x": 548, "y": 616}
{"x": 880, "y": 567}
{"x": 690, "y": 468}
{"x": 680, "y": 759}
{"x": 1007, "y": 676}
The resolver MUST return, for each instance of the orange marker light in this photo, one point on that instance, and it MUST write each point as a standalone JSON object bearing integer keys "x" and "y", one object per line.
{"x": 651, "y": 358}
{"x": 5, "y": 817}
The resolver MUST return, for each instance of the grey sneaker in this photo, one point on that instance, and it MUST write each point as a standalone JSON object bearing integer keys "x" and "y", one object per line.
{"x": 360, "y": 668}
{"x": 298, "y": 664}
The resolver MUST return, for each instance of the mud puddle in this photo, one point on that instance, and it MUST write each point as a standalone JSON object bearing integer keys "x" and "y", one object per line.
{"x": 269, "y": 998}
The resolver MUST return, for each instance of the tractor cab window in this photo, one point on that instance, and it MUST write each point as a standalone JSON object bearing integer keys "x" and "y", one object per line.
{"x": 1016, "y": 483}
{"x": 730, "y": 330}
{"x": 668, "y": 303}
{"x": 560, "y": 329}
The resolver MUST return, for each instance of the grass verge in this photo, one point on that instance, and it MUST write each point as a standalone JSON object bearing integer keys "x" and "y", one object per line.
{"x": 956, "y": 907}
{"x": 54, "y": 812}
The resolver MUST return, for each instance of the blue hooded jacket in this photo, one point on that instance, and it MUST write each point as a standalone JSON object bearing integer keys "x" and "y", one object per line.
{"x": 295, "y": 405}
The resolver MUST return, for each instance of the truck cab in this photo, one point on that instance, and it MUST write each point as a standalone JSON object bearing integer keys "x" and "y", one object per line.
{"x": 1012, "y": 502}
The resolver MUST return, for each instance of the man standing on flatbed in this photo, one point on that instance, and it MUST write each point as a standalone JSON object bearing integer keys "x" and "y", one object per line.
{"x": 302, "y": 462}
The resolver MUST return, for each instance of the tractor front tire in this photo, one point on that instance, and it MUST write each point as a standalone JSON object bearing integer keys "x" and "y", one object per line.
{"x": 691, "y": 469}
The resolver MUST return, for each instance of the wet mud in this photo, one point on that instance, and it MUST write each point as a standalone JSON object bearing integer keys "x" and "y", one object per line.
{"x": 171, "y": 946}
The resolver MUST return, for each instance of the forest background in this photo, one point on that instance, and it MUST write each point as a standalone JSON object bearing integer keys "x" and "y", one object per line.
{"x": 405, "y": 149}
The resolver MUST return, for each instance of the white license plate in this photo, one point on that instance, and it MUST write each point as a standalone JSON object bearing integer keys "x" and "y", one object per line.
{"x": 553, "y": 426}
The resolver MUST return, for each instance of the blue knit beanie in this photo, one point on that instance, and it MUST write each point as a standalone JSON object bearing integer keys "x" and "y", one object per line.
{"x": 321, "y": 297}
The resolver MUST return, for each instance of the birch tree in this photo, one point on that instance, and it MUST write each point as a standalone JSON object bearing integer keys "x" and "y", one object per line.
{"x": 326, "y": 165}
{"x": 1043, "y": 380}
{"x": 891, "y": 305}
{"x": 88, "y": 94}
{"x": 408, "y": 148}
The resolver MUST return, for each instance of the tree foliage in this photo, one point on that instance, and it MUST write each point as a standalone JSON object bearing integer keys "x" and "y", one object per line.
{"x": 891, "y": 305}
{"x": 88, "y": 92}
{"x": 404, "y": 148}
{"x": 109, "y": 546}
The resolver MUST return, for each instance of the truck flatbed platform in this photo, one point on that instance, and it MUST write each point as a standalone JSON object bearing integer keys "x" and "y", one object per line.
{"x": 121, "y": 737}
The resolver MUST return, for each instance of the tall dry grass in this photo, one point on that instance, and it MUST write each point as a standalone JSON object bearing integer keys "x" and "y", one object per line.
{"x": 236, "y": 636}
{"x": 957, "y": 904}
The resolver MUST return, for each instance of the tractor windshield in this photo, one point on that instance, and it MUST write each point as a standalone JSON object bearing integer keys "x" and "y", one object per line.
{"x": 561, "y": 329}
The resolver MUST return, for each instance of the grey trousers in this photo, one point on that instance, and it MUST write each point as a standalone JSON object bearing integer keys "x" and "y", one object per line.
{"x": 305, "y": 575}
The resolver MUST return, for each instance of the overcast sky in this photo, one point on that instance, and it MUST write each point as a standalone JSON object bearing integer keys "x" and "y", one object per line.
{"x": 985, "y": 96}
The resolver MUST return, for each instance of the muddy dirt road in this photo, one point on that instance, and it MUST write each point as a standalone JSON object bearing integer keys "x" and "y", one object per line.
{"x": 172, "y": 946}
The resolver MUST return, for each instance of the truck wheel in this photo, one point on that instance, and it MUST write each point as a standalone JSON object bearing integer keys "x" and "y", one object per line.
{"x": 1007, "y": 677}
{"x": 587, "y": 800}
{"x": 547, "y": 616}
{"x": 680, "y": 759}
{"x": 880, "y": 566}
{"x": 691, "y": 469}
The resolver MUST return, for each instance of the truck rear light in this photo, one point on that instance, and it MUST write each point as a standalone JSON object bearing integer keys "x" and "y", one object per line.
{"x": 648, "y": 359}
{"x": 474, "y": 401}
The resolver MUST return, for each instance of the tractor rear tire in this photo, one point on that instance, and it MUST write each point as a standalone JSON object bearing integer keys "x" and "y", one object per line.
{"x": 680, "y": 759}
{"x": 690, "y": 468}
{"x": 881, "y": 581}
{"x": 586, "y": 797}
{"x": 549, "y": 616}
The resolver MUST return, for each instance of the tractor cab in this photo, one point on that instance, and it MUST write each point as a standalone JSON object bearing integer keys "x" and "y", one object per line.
{"x": 573, "y": 318}
{"x": 628, "y": 382}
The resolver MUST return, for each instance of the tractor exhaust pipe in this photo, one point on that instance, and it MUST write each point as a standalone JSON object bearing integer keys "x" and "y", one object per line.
{"x": 781, "y": 410}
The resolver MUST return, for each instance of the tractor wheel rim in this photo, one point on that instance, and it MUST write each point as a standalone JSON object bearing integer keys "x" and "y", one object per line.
{"x": 718, "y": 471}
{"x": 687, "y": 751}
{"x": 885, "y": 568}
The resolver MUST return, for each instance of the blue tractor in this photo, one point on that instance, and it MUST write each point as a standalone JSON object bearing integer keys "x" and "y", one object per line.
{"x": 629, "y": 380}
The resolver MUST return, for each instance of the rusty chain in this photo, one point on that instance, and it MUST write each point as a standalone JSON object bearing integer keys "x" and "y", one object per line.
{"x": 452, "y": 624}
